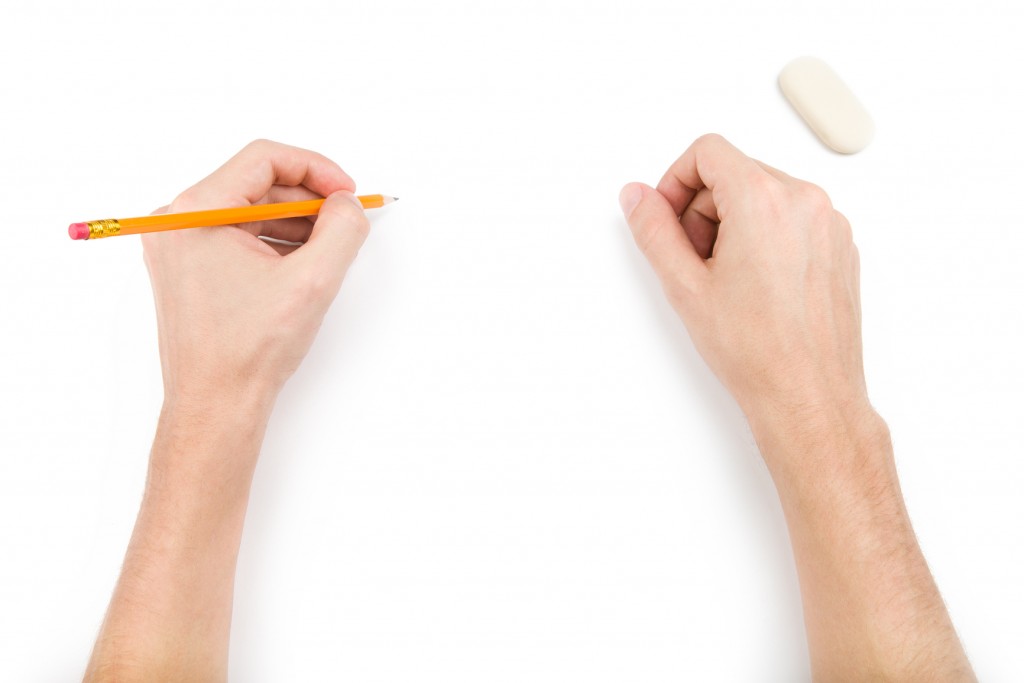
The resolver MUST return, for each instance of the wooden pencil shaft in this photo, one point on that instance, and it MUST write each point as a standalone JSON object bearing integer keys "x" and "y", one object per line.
{"x": 231, "y": 216}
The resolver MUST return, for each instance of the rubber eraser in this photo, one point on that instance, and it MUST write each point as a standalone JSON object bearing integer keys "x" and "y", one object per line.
{"x": 829, "y": 107}
{"x": 78, "y": 231}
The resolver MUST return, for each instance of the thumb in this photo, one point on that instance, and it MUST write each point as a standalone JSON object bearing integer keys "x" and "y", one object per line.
{"x": 341, "y": 228}
{"x": 661, "y": 238}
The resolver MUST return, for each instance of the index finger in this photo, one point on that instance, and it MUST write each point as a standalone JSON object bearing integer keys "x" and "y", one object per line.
{"x": 711, "y": 162}
{"x": 246, "y": 177}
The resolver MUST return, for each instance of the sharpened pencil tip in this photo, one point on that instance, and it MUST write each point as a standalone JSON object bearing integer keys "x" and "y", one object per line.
{"x": 388, "y": 200}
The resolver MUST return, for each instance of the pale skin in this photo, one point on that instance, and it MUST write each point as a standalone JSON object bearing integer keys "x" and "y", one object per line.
{"x": 761, "y": 269}
{"x": 236, "y": 315}
{"x": 765, "y": 276}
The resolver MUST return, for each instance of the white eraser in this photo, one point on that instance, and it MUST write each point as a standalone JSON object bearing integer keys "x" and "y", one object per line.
{"x": 831, "y": 110}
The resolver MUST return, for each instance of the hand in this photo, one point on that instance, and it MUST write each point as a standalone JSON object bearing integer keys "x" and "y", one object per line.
{"x": 765, "y": 275}
{"x": 237, "y": 314}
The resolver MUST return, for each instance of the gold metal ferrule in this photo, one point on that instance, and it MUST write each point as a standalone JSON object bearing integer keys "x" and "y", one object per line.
{"x": 108, "y": 227}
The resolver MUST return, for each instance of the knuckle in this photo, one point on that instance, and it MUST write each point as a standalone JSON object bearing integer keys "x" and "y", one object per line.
{"x": 362, "y": 226}
{"x": 681, "y": 295}
{"x": 259, "y": 146}
{"x": 677, "y": 294}
{"x": 151, "y": 243}
{"x": 815, "y": 199}
{"x": 310, "y": 284}
{"x": 259, "y": 151}
{"x": 187, "y": 199}
{"x": 147, "y": 251}
{"x": 767, "y": 193}
{"x": 317, "y": 284}
{"x": 844, "y": 228}
{"x": 709, "y": 140}
{"x": 765, "y": 186}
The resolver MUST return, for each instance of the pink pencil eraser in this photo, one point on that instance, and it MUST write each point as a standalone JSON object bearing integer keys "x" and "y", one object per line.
{"x": 78, "y": 231}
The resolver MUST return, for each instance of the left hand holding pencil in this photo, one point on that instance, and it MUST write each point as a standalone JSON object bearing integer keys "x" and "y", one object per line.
{"x": 236, "y": 313}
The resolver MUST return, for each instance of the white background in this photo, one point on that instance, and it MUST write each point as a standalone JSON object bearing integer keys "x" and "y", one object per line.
{"x": 503, "y": 460}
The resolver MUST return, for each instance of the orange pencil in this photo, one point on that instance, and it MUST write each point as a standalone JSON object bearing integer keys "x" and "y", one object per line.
{"x": 109, "y": 227}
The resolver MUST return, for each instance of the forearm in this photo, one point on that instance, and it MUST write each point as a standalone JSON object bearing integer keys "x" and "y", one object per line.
{"x": 235, "y": 316}
{"x": 170, "y": 615}
{"x": 871, "y": 607}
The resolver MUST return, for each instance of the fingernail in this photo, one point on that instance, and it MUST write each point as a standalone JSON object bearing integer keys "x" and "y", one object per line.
{"x": 629, "y": 197}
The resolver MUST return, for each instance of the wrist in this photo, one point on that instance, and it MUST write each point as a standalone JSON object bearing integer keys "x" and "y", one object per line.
{"x": 208, "y": 441}
{"x": 207, "y": 391}
{"x": 836, "y": 442}
{"x": 836, "y": 478}
{"x": 212, "y": 406}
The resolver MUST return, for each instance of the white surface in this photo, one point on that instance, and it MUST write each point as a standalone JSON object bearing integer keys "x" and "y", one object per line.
{"x": 827, "y": 104}
{"x": 502, "y": 460}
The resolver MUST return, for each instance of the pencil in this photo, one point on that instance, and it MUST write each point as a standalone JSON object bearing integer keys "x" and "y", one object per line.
{"x": 109, "y": 227}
